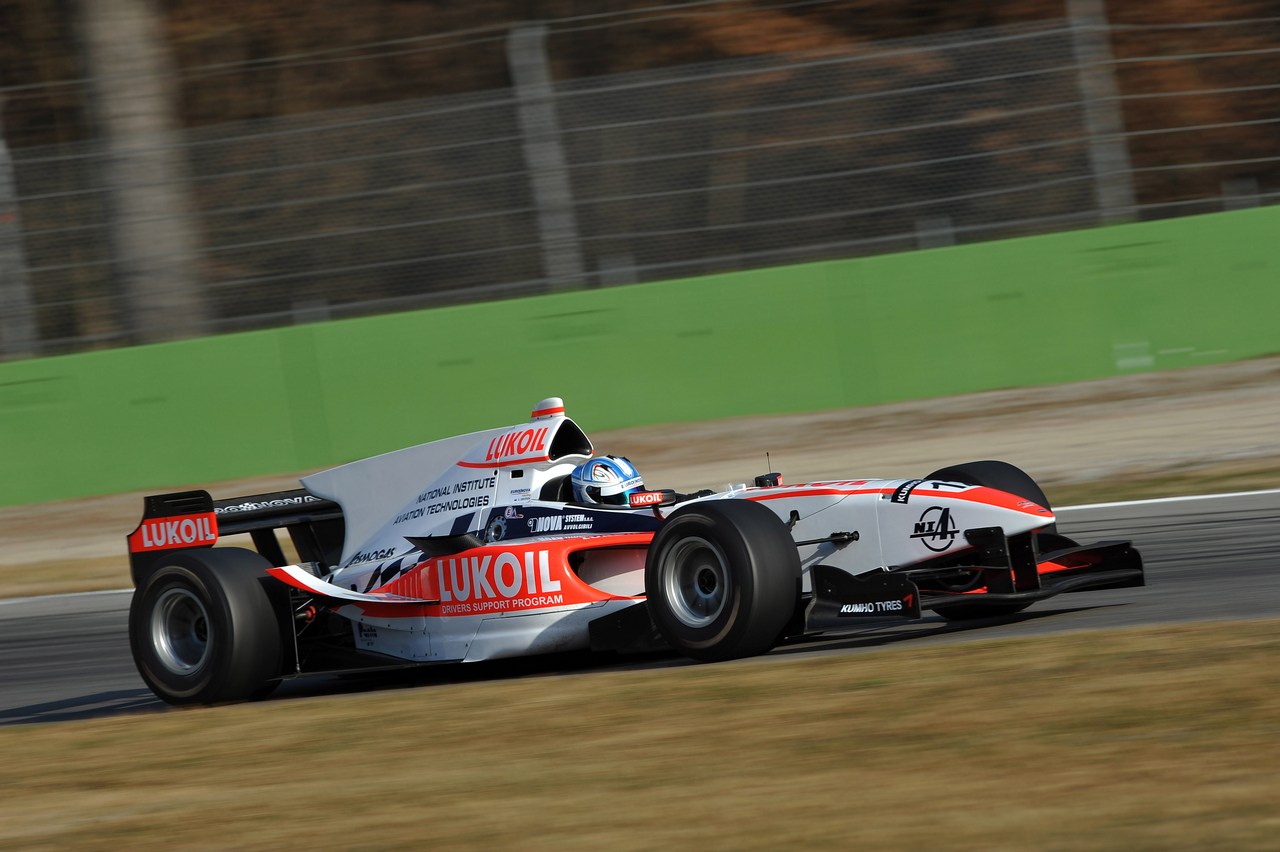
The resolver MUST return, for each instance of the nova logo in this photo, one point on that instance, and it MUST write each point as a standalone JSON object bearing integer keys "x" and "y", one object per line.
{"x": 935, "y": 529}
{"x": 546, "y": 523}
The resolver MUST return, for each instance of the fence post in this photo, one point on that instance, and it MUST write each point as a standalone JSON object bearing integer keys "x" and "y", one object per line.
{"x": 1103, "y": 117}
{"x": 544, "y": 156}
{"x": 19, "y": 337}
{"x": 151, "y": 226}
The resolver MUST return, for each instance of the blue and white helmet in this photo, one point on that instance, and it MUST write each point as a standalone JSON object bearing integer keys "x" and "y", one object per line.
{"x": 609, "y": 480}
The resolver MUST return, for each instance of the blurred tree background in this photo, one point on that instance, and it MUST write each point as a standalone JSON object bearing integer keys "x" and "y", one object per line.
{"x": 243, "y": 59}
{"x": 1198, "y": 103}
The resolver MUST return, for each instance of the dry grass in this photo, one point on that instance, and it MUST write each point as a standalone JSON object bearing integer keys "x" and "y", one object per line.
{"x": 1222, "y": 478}
{"x": 60, "y": 576}
{"x": 1155, "y": 739}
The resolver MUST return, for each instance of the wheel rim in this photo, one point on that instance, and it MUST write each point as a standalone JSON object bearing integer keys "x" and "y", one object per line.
{"x": 696, "y": 581}
{"x": 180, "y": 631}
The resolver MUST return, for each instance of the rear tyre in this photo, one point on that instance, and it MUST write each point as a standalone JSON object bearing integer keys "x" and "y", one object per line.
{"x": 722, "y": 579}
{"x": 203, "y": 630}
{"x": 1001, "y": 476}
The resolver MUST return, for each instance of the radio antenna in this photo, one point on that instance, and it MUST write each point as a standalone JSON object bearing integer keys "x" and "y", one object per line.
{"x": 768, "y": 462}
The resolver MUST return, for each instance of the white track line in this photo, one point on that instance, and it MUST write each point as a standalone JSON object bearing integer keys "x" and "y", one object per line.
{"x": 1154, "y": 502}
{"x": 1159, "y": 500}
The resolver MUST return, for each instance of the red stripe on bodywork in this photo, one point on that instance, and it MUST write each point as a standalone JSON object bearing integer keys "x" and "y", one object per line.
{"x": 983, "y": 495}
{"x": 506, "y": 462}
{"x": 975, "y": 494}
{"x": 776, "y": 494}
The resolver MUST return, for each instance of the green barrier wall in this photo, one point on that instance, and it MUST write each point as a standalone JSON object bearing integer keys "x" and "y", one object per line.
{"x": 1040, "y": 310}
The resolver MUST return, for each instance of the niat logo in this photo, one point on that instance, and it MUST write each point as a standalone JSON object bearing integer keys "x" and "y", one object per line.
{"x": 935, "y": 529}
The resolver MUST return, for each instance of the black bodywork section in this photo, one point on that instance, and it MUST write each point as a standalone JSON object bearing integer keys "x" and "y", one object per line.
{"x": 838, "y": 596}
{"x": 999, "y": 573}
{"x": 315, "y": 526}
{"x": 1007, "y": 568}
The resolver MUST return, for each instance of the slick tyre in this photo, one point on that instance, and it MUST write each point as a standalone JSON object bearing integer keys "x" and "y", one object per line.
{"x": 1001, "y": 476}
{"x": 203, "y": 629}
{"x": 722, "y": 579}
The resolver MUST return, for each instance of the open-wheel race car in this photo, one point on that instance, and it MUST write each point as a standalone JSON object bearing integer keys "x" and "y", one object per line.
{"x": 519, "y": 540}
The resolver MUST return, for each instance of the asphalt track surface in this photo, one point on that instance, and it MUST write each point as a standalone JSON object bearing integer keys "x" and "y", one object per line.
{"x": 1208, "y": 558}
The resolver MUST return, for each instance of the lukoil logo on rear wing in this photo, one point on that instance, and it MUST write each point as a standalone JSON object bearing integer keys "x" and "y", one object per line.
{"x": 167, "y": 533}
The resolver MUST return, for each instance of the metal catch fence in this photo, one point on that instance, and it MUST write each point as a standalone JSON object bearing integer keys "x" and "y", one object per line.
{"x": 629, "y": 178}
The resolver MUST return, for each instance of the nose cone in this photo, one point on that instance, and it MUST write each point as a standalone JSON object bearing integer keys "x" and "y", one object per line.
{"x": 1016, "y": 514}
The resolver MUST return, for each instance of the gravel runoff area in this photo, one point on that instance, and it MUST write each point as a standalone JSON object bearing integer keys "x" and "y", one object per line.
{"x": 1142, "y": 426}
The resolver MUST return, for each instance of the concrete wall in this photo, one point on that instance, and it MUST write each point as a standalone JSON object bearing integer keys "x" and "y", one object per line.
{"x": 1041, "y": 310}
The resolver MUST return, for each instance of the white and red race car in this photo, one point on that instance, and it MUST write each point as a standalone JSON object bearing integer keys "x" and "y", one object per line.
{"x": 472, "y": 548}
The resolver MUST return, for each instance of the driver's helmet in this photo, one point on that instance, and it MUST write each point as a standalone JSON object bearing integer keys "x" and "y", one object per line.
{"x": 609, "y": 480}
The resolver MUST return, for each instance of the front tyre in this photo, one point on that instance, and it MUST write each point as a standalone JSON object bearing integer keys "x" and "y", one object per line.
{"x": 203, "y": 630}
{"x": 722, "y": 579}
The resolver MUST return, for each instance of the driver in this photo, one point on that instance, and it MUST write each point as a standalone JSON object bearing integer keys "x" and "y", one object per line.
{"x": 606, "y": 480}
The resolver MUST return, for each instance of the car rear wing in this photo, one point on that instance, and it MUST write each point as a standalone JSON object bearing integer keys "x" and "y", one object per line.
{"x": 193, "y": 519}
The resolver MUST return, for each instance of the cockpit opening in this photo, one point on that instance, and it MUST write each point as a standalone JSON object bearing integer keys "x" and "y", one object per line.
{"x": 569, "y": 441}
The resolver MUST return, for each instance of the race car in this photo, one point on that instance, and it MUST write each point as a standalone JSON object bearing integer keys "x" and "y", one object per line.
{"x": 504, "y": 543}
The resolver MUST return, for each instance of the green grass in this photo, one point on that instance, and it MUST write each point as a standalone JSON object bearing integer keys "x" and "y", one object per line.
{"x": 1166, "y": 738}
